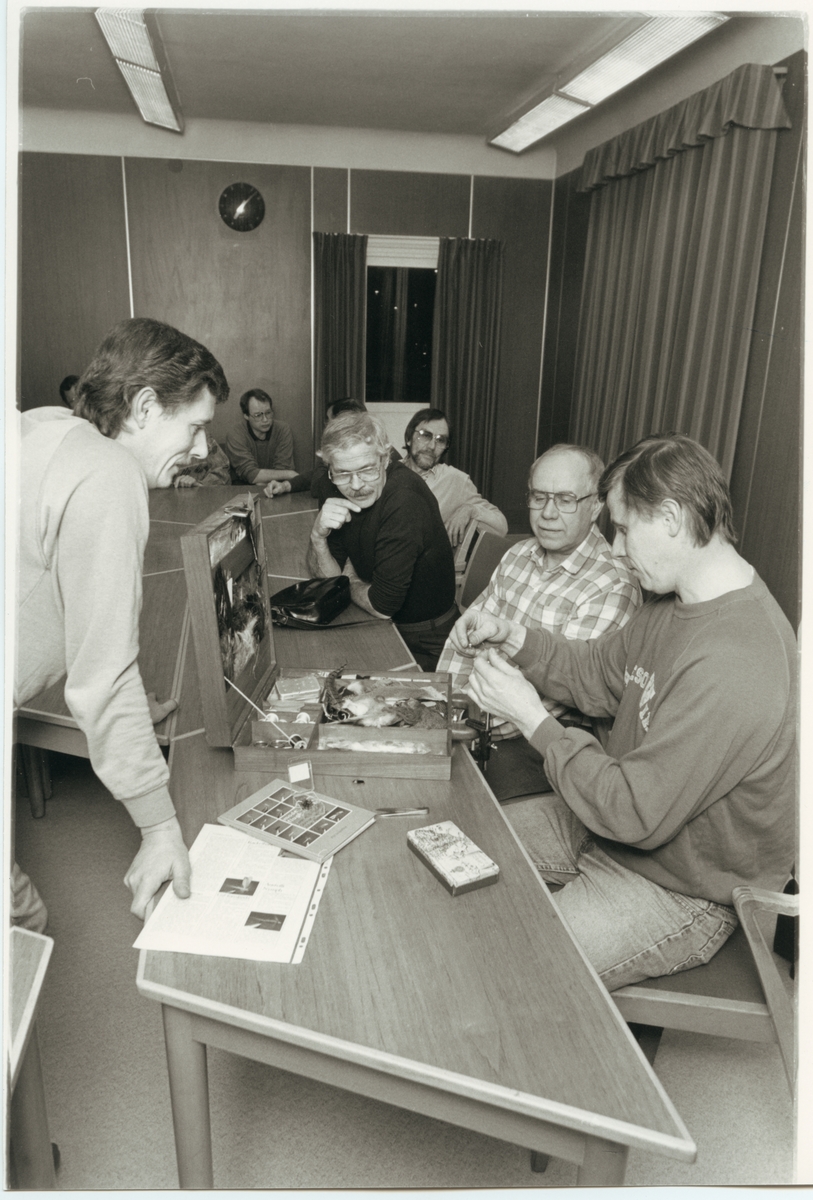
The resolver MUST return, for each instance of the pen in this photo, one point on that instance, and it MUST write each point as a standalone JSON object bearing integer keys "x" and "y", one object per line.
{"x": 401, "y": 812}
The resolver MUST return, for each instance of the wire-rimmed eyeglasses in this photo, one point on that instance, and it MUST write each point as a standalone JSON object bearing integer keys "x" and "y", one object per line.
{"x": 566, "y": 502}
{"x": 366, "y": 474}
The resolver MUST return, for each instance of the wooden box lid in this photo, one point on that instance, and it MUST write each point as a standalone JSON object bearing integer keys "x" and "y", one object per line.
{"x": 227, "y": 584}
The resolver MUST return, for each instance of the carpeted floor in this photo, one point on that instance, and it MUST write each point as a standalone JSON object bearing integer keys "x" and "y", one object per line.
{"x": 108, "y": 1100}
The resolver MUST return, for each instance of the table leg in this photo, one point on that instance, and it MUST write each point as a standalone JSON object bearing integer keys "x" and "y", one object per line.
{"x": 36, "y": 781}
{"x": 604, "y": 1164}
{"x": 31, "y": 1143}
{"x": 189, "y": 1094}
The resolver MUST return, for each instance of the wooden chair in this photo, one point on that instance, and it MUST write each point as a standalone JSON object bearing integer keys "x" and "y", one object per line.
{"x": 739, "y": 994}
{"x": 487, "y": 552}
{"x": 34, "y": 1157}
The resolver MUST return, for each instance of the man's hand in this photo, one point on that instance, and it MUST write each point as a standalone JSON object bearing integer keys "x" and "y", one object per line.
{"x": 277, "y": 487}
{"x": 458, "y": 524}
{"x": 334, "y": 513}
{"x": 162, "y": 855}
{"x": 185, "y": 481}
{"x": 476, "y": 630}
{"x": 502, "y": 690}
{"x": 157, "y": 710}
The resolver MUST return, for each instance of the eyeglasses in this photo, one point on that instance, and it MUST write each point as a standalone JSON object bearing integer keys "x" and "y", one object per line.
{"x": 566, "y": 502}
{"x": 263, "y": 416}
{"x": 340, "y": 478}
{"x": 426, "y": 435}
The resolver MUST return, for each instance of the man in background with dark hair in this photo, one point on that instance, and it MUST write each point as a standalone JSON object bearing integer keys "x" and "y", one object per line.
{"x": 146, "y": 400}
{"x": 695, "y": 793}
{"x": 260, "y": 447}
{"x": 426, "y": 441}
{"x": 67, "y": 390}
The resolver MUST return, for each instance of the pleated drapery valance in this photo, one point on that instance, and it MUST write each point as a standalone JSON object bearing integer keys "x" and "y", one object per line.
{"x": 749, "y": 97}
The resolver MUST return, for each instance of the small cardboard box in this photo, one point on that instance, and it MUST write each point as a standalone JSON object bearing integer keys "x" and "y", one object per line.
{"x": 227, "y": 583}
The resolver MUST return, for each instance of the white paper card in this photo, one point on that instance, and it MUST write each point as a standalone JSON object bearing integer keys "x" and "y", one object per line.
{"x": 247, "y": 901}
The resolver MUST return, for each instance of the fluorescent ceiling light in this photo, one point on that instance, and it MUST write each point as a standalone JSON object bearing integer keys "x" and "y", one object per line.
{"x": 128, "y": 37}
{"x": 547, "y": 116}
{"x": 649, "y": 45}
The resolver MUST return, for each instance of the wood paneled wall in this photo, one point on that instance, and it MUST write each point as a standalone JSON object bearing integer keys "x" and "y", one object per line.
{"x": 409, "y": 204}
{"x": 248, "y": 296}
{"x": 72, "y": 267}
{"x": 244, "y": 295}
{"x": 517, "y": 211}
{"x": 767, "y": 471}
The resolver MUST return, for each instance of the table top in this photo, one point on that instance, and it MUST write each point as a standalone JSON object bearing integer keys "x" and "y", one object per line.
{"x": 483, "y": 994}
{"x": 29, "y": 954}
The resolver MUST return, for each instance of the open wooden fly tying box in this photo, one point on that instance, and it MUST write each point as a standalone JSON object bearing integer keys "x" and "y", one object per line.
{"x": 408, "y": 716}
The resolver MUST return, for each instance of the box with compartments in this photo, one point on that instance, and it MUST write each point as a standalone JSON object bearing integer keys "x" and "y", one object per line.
{"x": 389, "y": 725}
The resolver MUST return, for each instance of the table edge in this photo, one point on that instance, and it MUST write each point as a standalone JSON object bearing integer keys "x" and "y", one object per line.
{"x": 581, "y": 1121}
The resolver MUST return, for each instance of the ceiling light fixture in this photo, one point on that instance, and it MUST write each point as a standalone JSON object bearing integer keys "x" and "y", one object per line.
{"x": 651, "y": 44}
{"x": 139, "y": 54}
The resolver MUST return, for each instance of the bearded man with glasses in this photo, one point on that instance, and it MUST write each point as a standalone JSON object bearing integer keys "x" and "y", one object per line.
{"x": 426, "y": 441}
{"x": 564, "y": 580}
{"x": 381, "y": 526}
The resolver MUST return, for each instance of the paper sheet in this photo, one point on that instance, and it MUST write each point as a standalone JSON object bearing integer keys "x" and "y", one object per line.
{"x": 248, "y": 901}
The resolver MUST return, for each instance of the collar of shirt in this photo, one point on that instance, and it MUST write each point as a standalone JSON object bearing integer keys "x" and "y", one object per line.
{"x": 591, "y": 547}
{"x": 260, "y": 439}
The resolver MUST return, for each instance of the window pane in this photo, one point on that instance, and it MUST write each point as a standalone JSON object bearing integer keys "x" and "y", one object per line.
{"x": 400, "y": 311}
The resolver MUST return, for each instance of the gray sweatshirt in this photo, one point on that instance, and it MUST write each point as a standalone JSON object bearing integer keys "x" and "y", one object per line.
{"x": 83, "y": 526}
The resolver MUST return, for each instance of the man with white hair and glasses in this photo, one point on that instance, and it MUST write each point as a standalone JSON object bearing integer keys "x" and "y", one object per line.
{"x": 381, "y": 526}
{"x": 565, "y": 580}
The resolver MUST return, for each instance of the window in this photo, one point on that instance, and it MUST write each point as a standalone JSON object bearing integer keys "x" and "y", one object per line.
{"x": 401, "y": 278}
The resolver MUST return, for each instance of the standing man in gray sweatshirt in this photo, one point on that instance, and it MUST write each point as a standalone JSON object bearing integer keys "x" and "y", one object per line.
{"x": 141, "y": 413}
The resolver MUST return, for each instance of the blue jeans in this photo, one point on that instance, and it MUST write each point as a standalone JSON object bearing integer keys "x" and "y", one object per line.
{"x": 629, "y": 928}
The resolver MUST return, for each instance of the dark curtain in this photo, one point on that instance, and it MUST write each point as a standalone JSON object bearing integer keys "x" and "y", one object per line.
{"x": 466, "y": 349}
{"x": 674, "y": 244}
{"x": 340, "y": 298}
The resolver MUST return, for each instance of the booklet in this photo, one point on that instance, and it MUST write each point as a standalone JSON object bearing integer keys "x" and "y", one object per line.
{"x": 248, "y": 901}
{"x": 298, "y": 819}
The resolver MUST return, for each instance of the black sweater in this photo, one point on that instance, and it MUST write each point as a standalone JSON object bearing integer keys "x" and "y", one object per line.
{"x": 400, "y": 547}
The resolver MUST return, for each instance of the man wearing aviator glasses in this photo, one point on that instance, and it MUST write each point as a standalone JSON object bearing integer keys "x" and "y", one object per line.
{"x": 564, "y": 580}
{"x": 381, "y": 526}
{"x": 426, "y": 440}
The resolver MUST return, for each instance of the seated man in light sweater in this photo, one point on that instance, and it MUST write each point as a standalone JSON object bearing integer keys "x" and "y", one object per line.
{"x": 142, "y": 409}
{"x": 695, "y": 793}
{"x": 563, "y": 579}
{"x": 426, "y": 440}
{"x": 260, "y": 447}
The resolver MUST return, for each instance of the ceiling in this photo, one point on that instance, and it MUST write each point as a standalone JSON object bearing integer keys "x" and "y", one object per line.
{"x": 455, "y": 73}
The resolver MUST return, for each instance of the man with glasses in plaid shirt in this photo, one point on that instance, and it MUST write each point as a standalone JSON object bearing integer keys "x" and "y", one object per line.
{"x": 565, "y": 580}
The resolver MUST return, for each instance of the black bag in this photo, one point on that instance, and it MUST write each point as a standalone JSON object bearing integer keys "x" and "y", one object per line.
{"x": 311, "y": 603}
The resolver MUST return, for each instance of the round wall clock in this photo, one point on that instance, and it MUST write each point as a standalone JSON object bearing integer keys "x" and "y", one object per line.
{"x": 241, "y": 207}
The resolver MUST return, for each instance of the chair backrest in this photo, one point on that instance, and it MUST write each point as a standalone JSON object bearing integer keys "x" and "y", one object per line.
{"x": 487, "y": 552}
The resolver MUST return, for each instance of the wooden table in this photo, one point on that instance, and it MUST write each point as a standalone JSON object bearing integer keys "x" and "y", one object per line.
{"x": 479, "y": 1010}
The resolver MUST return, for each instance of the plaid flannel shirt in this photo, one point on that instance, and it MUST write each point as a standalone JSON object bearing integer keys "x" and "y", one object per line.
{"x": 581, "y": 597}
